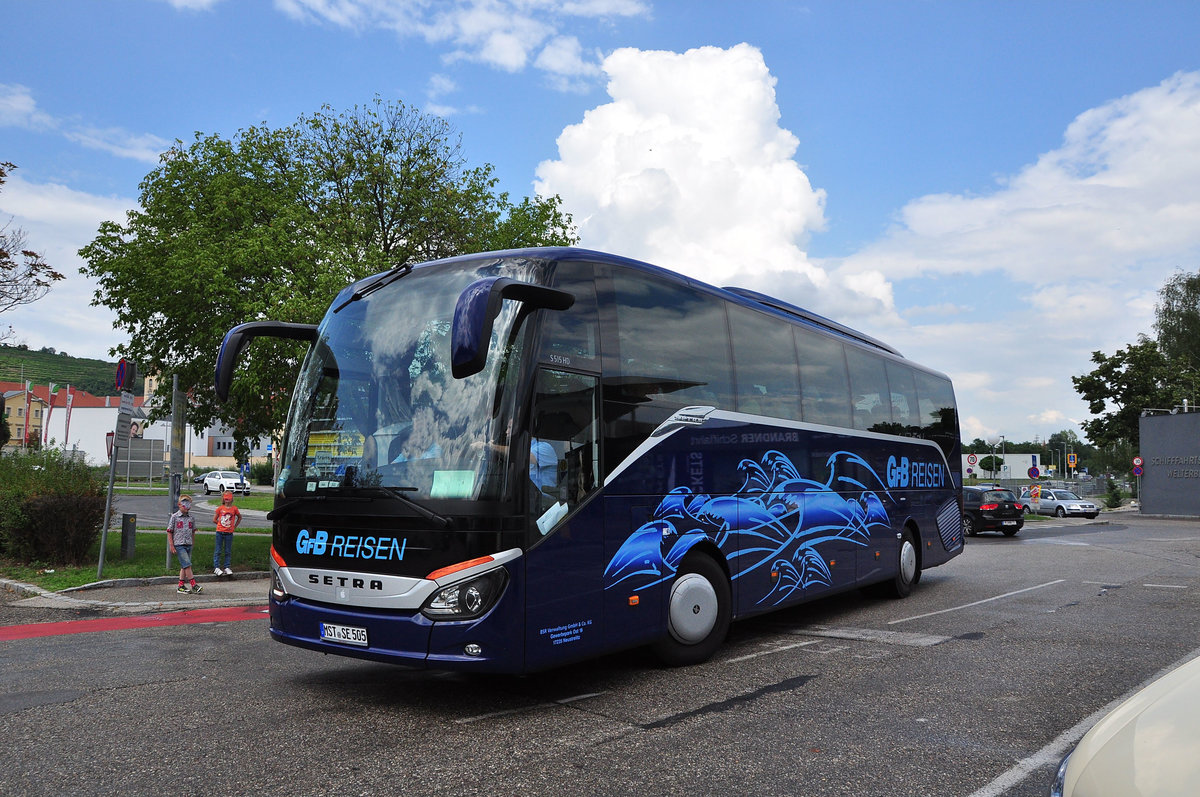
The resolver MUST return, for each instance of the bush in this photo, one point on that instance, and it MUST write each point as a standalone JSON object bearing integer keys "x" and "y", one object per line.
{"x": 261, "y": 473}
{"x": 1114, "y": 496}
{"x": 51, "y": 507}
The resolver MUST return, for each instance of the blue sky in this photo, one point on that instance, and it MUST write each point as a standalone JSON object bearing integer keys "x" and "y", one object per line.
{"x": 995, "y": 188}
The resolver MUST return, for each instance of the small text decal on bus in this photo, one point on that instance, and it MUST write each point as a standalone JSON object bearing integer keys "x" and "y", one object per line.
{"x": 904, "y": 473}
{"x": 319, "y": 543}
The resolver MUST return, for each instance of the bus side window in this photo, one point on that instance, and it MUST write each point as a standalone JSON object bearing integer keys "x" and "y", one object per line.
{"x": 674, "y": 342}
{"x": 903, "y": 386}
{"x": 564, "y": 462}
{"x": 824, "y": 389}
{"x": 764, "y": 359}
{"x": 571, "y": 337}
{"x": 868, "y": 381}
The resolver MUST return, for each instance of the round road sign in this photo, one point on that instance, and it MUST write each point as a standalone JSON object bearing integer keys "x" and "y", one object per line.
{"x": 1138, "y": 462}
{"x": 1137, "y": 470}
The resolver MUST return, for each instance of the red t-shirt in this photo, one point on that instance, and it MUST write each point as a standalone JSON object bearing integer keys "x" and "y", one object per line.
{"x": 226, "y": 517}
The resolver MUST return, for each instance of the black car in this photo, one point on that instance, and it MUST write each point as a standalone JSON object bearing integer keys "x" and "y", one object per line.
{"x": 991, "y": 509}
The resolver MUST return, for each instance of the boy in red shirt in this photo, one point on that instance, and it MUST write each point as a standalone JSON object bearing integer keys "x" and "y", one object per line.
{"x": 227, "y": 518}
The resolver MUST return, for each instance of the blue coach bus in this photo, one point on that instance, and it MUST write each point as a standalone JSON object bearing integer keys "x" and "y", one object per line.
{"x": 509, "y": 461}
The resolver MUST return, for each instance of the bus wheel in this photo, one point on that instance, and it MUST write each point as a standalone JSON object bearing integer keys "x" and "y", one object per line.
{"x": 698, "y": 612}
{"x": 908, "y": 569}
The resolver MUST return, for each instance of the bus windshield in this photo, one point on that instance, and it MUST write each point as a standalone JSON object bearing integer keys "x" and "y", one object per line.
{"x": 376, "y": 408}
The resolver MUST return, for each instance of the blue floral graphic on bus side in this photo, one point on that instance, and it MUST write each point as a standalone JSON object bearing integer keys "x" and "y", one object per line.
{"x": 778, "y": 520}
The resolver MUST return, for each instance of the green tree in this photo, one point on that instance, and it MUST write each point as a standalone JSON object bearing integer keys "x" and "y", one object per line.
{"x": 1177, "y": 319}
{"x": 271, "y": 224}
{"x": 1135, "y": 378}
{"x": 992, "y": 465}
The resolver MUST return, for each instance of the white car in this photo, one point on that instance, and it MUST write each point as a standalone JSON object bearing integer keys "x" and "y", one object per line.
{"x": 218, "y": 481}
{"x": 1147, "y": 745}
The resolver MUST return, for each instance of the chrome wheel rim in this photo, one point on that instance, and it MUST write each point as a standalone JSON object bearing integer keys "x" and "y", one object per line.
{"x": 908, "y": 561}
{"x": 692, "y": 614}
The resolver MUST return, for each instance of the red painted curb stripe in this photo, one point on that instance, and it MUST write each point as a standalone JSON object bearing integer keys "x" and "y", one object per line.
{"x": 192, "y": 616}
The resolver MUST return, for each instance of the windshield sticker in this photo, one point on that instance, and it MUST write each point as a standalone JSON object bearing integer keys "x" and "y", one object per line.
{"x": 452, "y": 484}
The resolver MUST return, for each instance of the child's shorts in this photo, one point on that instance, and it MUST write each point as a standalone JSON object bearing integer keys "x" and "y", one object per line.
{"x": 184, "y": 554}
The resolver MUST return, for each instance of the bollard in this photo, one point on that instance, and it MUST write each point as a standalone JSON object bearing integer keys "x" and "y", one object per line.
{"x": 128, "y": 535}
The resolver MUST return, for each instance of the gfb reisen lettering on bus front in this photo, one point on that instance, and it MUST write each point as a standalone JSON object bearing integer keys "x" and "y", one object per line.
{"x": 352, "y": 546}
{"x": 904, "y": 472}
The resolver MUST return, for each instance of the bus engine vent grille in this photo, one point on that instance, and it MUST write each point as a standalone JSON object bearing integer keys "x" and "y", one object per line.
{"x": 949, "y": 523}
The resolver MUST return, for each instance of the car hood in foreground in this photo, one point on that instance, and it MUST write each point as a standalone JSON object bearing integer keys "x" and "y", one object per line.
{"x": 1147, "y": 745}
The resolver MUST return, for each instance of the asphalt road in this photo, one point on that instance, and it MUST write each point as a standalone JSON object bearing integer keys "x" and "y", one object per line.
{"x": 153, "y": 510}
{"x": 972, "y": 686}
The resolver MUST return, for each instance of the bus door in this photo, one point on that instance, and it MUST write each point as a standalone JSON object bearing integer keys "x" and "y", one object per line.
{"x": 565, "y": 553}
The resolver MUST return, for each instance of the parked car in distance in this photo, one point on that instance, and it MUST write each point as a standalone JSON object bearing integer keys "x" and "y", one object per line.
{"x": 1146, "y": 745}
{"x": 1058, "y": 502}
{"x": 987, "y": 509}
{"x": 218, "y": 481}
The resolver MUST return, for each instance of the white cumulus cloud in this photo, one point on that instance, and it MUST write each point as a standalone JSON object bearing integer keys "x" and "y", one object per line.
{"x": 687, "y": 167}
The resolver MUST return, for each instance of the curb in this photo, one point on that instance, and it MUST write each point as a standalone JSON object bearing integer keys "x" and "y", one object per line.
{"x": 154, "y": 581}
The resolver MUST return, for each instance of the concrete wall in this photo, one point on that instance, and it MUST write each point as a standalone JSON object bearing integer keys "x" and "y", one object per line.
{"x": 1170, "y": 484}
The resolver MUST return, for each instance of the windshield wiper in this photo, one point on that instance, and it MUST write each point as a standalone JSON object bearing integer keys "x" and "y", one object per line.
{"x": 286, "y": 509}
{"x": 439, "y": 520}
{"x": 366, "y": 290}
{"x": 345, "y": 494}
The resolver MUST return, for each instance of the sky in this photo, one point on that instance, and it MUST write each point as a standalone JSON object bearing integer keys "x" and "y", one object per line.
{"x": 995, "y": 188}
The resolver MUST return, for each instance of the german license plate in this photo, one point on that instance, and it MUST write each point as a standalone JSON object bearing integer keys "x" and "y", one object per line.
{"x": 345, "y": 634}
{"x": 1003, "y": 523}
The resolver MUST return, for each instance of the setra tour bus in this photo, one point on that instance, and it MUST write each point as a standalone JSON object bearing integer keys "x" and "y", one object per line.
{"x": 508, "y": 461}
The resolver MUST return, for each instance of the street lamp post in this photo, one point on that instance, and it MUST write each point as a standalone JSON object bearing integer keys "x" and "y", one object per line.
{"x": 1003, "y": 465}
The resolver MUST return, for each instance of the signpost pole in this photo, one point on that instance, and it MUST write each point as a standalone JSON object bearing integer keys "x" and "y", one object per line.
{"x": 112, "y": 473}
{"x": 120, "y": 439}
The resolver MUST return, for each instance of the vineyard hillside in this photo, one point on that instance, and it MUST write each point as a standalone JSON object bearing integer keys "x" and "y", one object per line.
{"x": 46, "y": 366}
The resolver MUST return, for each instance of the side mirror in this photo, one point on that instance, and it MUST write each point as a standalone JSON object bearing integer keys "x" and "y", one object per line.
{"x": 477, "y": 308}
{"x": 237, "y": 338}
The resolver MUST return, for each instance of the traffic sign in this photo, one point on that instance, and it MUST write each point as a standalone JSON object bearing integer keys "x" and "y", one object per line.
{"x": 1072, "y": 460}
{"x": 1034, "y": 473}
{"x": 126, "y": 374}
{"x": 972, "y": 459}
{"x": 1138, "y": 462}
{"x": 1137, "y": 470}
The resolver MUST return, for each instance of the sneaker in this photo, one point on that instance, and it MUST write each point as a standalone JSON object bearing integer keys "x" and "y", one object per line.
{"x": 183, "y": 589}
{"x": 217, "y": 571}
{"x": 196, "y": 588}
{"x": 229, "y": 571}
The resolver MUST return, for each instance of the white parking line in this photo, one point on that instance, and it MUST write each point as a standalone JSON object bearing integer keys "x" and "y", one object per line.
{"x": 1054, "y": 541}
{"x": 873, "y": 635}
{"x": 524, "y": 709}
{"x": 1165, "y": 586}
{"x": 768, "y": 652}
{"x": 976, "y": 603}
{"x": 1055, "y": 750}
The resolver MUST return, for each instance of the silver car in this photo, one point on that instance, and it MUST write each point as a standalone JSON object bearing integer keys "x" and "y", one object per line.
{"x": 1058, "y": 502}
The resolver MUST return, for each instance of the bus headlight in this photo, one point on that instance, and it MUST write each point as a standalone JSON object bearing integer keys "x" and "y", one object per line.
{"x": 277, "y": 588}
{"x": 467, "y": 599}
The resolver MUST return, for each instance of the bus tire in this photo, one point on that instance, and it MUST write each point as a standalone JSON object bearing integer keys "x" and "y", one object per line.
{"x": 908, "y": 568}
{"x": 698, "y": 613}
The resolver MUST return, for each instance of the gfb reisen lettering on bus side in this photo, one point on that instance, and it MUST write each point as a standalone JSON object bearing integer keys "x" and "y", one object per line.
{"x": 319, "y": 543}
{"x": 905, "y": 473}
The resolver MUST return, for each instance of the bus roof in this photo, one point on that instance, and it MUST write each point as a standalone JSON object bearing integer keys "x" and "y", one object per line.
{"x": 739, "y": 295}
